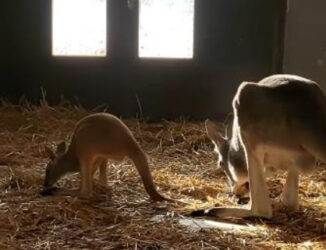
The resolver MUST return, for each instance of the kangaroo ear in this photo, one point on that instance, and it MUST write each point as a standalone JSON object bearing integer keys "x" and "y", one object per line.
{"x": 50, "y": 153}
{"x": 61, "y": 148}
{"x": 214, "y": 133}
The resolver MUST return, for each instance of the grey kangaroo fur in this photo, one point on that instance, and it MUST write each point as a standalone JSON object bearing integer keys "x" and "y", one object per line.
{"x": 279, "y": 122}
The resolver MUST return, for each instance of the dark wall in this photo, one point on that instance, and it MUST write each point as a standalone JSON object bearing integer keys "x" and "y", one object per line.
{"x": 305, "y": 43}
{"x": 235, "y": 40}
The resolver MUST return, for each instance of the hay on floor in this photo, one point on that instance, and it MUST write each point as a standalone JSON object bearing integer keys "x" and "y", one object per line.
{"x": 121, "y": 215}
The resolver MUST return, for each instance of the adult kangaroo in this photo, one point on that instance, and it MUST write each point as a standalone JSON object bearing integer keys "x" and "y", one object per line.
{"x": 279, "y": 122}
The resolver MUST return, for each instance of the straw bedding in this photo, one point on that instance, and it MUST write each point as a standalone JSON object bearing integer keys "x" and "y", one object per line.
{"x": 120, "y": 216}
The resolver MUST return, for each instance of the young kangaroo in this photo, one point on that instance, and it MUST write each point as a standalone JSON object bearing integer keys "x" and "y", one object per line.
{"x": 279, "y": 122}
{"x": 96, "y": 138}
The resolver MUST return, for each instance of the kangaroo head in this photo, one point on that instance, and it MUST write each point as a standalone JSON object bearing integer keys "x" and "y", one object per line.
{"x": 55, "y": 165}
{"x": 231, "y": 158}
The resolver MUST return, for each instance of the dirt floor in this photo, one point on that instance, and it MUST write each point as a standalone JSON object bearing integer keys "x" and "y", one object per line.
{"x": 121, "y": 216}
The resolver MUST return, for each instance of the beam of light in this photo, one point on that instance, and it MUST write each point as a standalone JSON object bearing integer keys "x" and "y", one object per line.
{"x": 199, "y": 224}
{"x": 166, "y": 28}
{"x": 79, "y": 27}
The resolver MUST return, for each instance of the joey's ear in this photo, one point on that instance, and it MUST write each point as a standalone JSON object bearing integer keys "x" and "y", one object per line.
{"x": 61, "y": 148}
{"x": 50, "y": 153}
{"x": 214, "y": 133}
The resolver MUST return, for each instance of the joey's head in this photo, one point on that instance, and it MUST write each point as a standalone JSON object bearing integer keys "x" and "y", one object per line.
{"x": 55, "y": 167}
{"x": 231, "y": 158}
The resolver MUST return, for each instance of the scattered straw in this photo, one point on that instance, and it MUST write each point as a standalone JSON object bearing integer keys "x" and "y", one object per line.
{"x": 120, "y": 216}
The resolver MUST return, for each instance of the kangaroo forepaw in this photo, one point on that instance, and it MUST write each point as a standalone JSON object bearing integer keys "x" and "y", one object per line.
{"x": 243, "y": 200}
{"x": 214, "y": 212}
{"x": 199, "y": 213}
{"x": 224, "y": 212}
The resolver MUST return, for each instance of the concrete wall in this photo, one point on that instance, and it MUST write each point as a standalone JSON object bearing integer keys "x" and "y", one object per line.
{"x": 305, "y": 40}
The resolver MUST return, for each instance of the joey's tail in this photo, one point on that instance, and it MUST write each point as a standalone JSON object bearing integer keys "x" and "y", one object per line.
{"x": 140, "y": 161}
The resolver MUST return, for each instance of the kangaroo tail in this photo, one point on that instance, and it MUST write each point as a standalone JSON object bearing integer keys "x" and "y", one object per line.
{"x": 140, "y": 161}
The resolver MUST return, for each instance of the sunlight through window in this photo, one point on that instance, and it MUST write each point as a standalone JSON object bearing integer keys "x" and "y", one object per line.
{"x": 79, "y": 27}
{"x": 166, "y": 28}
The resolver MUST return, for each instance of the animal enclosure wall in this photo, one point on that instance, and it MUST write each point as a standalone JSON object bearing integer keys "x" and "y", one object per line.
{"x": 305, "y": 40}
{"x": 234, "y": 40}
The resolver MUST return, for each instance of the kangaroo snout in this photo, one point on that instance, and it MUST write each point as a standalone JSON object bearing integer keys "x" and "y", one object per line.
{"x": 241, "y": 190}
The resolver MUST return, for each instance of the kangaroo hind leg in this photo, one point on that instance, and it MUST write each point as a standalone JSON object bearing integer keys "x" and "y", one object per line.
{"x": 260, "y": 204}
{"x": 86, "y": 187}
{"x": 290, "y": 192}
{"x": 103, "y": 173}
